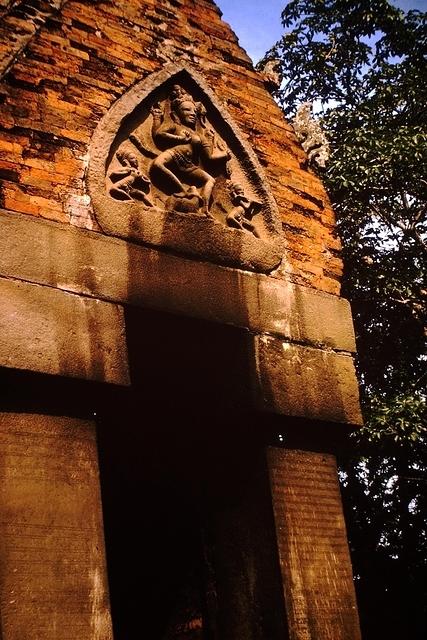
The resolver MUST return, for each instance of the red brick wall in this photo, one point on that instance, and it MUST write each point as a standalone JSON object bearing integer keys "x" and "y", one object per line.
{"x": 72, "y": 69}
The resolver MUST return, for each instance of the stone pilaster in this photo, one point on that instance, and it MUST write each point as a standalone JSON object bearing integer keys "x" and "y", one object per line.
{"x": 314, "y": 557}
{"x": 52, "y": 565}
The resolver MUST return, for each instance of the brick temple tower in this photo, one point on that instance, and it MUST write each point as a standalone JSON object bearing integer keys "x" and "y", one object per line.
{"x": 175, "y": 358}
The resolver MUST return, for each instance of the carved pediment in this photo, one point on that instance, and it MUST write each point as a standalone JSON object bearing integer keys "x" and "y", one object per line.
{"x": 169, "y": 168}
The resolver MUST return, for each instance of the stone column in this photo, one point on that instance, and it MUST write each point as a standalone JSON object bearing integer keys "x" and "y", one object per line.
{"x": 52, "y": 562}
{"x": 311, "y": 535}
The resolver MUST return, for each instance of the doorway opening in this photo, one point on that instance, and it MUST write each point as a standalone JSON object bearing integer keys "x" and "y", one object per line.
{"x": 185, "y": 493}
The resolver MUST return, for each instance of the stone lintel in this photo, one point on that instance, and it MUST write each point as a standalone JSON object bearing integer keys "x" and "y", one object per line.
{"x": 106, "y": 268}
{"x": 51, "y": 331}
{"x": 296, "y": 380}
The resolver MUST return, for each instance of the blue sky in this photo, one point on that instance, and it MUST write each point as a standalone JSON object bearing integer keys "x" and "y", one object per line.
{"x": 257, "y": 22}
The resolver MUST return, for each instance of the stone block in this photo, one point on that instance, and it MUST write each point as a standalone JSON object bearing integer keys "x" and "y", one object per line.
{"x": 312, "y": 543}
{"x": 51, "y": 331}
{"x": 299, "y": 313}
{"x": 53, "y": 583}
{"x": 295, "y": 380}
{"x": 119, "y": 271}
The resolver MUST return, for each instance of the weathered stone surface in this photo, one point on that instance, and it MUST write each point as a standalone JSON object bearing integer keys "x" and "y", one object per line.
{"x": 300, "y": 313}
{"x": 53, "y": 582}
{"x": 301, "y": 381}
{"x": 312, "y": 542}
{"x": 115, "y": 270}
{"x": 196, "y": 236}
{"x": 51, "y": 331}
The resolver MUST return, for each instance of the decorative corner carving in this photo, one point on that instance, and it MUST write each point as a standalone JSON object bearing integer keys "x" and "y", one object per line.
{"x": 271, "y": 73}
{"x": 169, "y": 168}
{"x": 309, "y": 132}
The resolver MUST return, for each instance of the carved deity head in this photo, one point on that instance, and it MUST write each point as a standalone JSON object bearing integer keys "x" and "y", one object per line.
{"x": 183, "y": 107}
{"x": 187, "y": 112}
{"x": 236, "y": 189}
{"x": 127, "y": 159}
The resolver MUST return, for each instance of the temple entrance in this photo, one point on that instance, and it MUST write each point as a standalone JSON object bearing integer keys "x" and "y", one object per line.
{"x": 187, "y": 512}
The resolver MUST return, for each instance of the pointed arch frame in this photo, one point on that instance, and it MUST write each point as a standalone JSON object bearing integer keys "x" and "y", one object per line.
{"x": 190, "y": 235}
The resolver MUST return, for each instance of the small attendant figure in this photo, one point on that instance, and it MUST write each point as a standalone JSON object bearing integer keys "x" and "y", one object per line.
{"x": 129, "y": 183}
{"x": 240, "y": 216}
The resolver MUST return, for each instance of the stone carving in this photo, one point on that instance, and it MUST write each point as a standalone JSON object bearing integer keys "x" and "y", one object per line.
{"x": 129, "y": 183}
{"x": 187, "y": 142}
{"x": 183, "y": 158}
{"x": 169, "y": 168}
{"x": 189, "y": 201}
{"x": 240, "y": 216}
{"x": 310, "y": 134}
{"x": 271, "y": 74}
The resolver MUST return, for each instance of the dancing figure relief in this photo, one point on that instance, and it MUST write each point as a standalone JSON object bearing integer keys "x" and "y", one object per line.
{"x": 186, "y": 166}
{"x": 187, "y": 142}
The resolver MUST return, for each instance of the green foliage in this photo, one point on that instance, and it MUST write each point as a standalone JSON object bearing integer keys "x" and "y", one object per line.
{"x": 363, "y": 64}
{"x": 402, "y": 419}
